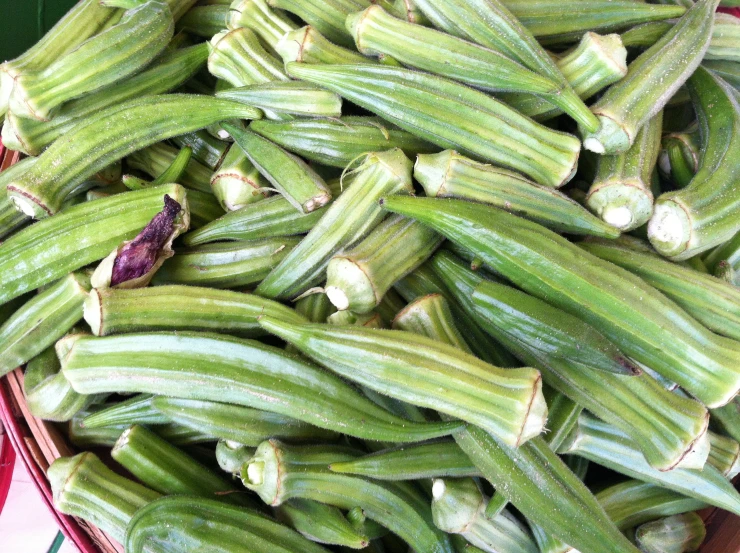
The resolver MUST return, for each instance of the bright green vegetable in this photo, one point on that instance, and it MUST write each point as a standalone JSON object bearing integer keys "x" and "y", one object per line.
{"x": 231, "y": 456}
{"x": 177, "y": 7}
{"x": 727, "y": 419}
{"x": 321, "y": 523}
{"x": 728, "y": 70}
{"x": 674, "y": 534}
{"x": 307, "y": 45}
{"x": 204, "y": 21}
{"x": 679, "y": 158}
{"x": 155, "y": 159}
{"x": 208, "y": 150}
{"x": 346, "y": 317}
{"x": 237, "y": 183}
{"x": 291, "y": 97}
{"x": 326, "y": 16}
{"x": 270, "y": 25}
{"x": 136, "y": 410}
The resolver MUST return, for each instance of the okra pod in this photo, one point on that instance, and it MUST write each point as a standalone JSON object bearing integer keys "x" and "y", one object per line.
{"x": 259, "y": 376}
{"x": 108, "y": 136}
{"x": 84, "y": 487}
{"x": 650, "y": 82}
{"x": 136, "y": 410}
{"x": 291, "y": 97}
{"x": 204, "y": 208}
{"x": 235, "y": 423}
{"x": 270, "y": 25}
{"x": 208, "y": 150}
{"x": 237, "y": 182}
{"x": 346, "y": 317}
{"x": 603, "y": 444}
{"x": 315, "y": 307}
{"x": 10, "y": 218}
{"x": 724, "y": 455}
{"x": 320, "y": 523}
{"x": 85, "y": 438}
{"x": 674, "y": 534}
{"x": 307, "y": 45}
{"x": 327, "y": 16}
{"x": 347, "y": 220}
{"x": 483, "y": 127}
{"x": 449, "y": 174}
{"x": 231, "y": 456}
{"x": 633, "y": 315}
{"x": 204, "y": 21}
{"x": 679, "y": 156}
{"x": 358, "y": 519}
{"x": 155, "y": 159}
{"x": 431, "y": 316}
{"x": 114, "y": 54}
{"x": 729, "y": 252}
{"x": 728, "y": 70}
{"x": 177, "y": 7}
{"x": 702, "y": 215}
{"x": 727, "y": 419}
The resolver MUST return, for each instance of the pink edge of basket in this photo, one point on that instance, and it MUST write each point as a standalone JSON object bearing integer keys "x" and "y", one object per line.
{"x": 7, "y": 463}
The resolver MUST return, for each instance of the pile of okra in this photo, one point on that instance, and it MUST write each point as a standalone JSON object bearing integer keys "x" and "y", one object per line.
{"x": 441, "y": 276}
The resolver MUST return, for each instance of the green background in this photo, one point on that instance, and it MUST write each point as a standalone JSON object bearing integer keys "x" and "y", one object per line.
{"x": 23, "y": 22}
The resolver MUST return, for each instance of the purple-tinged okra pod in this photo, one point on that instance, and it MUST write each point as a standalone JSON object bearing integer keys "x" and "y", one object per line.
{"x": 108, "y": 136}
{"x": 196, "y": 366}
{"x": 702, "y": 215}
{"x": 270, "y": 25}
{"x": 601, "y": 443}
{"x": 674, "y": 534}
{"x": 111, "y": 56}
{"x": 650, "y": 82}
{"x": 84, "y": 487}
{"x": 278, "y": 472}
{"x": 287, "y": 97}
{"x": 320, "y": 523}
{"x": 231, "y": 456}
{"x": 483, "y": 127}
{"x": 326, "y": 16}
{"x": 449, "y": 174}
{"x": 632, "y": 314}
{"x": 620, "y": 193}
{"x": 155, "y": 159}
{"x": 724, "y": 455}
{"x": 204, "y": 21}
{"x": 207, "y": 150}
{"x": 138, "y": 409}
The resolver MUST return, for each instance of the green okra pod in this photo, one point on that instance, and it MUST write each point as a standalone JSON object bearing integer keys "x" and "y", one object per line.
{"x": 291, "y": 97}
{"x": 390, "y": 306}
{"x": 650, "y": 82}
{"x": 315, "y": 307}
{"x": 725, "y": 37}
{"x": 431, "y": 316}
{"x": 633, "y": 315}
{"x": 346, "y": 317}
{"x": 603, "y": 444}
{"x": 727, "y": 419}
{"x": 169, "y": 470}
{"x": 449, "y": 174}
{"x": 278, "y": 473}
{"x": 107, "y": 137}
{"x": 236, "y": 423}
{"x": 288, "y": 174}
{"x": 620, "y": 193}
{"x": 10, "y": 218}
{"x": 85, "y": 438}
{"x": 728, "y": 70}
{"x": 702, "y": 215}
{"x": 674, "y": 534}
{"x": 307, "y": 45}
{"x": 413, "y": 101}
{"x": 513, "y": 408}
{"x": 729, "y": 253}
{"x": 320, "y": 523}
{"x": 204, "y": 21}
{"x": 270, "y": 25}
{"x": 117, "y": 311}
{"x": 326, "y": 16}
{"x": 724, "y": 455}
{"x": 237, "y": 182}
{"x": 155, "y": 159}
{"x": 138, "y": 409}
{"x": 359, "y": 278}
{"x": 259, "y": 376}
{"x": 114, "y": 54}
{"x": 176, "y": 169}
{"x": 207, "y": 150}
{"x": 84, "y": 487}
{"x": 680, "y": 155}
{"x": 204, "y": 208}
{"x": 231, "y": 456}
{"x": 177, "y": 7}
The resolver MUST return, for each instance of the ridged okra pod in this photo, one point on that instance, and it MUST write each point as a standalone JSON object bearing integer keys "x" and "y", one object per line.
{"x": 347, "y": 220}
{"x": 204, "y": 524}
{"x": 307, "y": 45}
{"x": 431, "y": 316}
{"x": 169, "y": 470}
{"x": 680, "y": 156}
{"x": 713, "y": 302}
{"x": 634, "y": 316}
{"x": 155, "y": 160}
{"x": 31, "y": 136}
{"x": 327, "y": 16}
{"x": 84, "y": 233}
{"x": 315, "y": 307}
{"x": 205, "y": 21}
{"x": 42, "y": 320}
{"x": 236, "y": 423}
{"x": 114, "y": 54}
{"x": 177, "y": 7}
{"x": 423, "y": 372}
{"x": 724, "y": 455}
{"x": 674, "y": 534}
{"x": 728, "y": 255}
{"x": 449, "y": 174}
{"x": 135, "y": 410}
{"x": 10, "y": 218}
{"x": 338, "y": 142}
{"x": 359, "y": 278}
{"x": 84, "y": 487}
{"x": 208, "y": 150}
{"x": 321, "y": 523}
{"x": 270, "y": 25}
{"x": 725, "y": 37}
{"x": 118, "y": 311}
{"x": 259, "y": 376}
{"x": 278, "y": 473}
{"x": 483, "y": 127}
{"x": 204, "y": 208}
{"x": 620, "y": 193}
{"x": 702, "y": 215}
{"x": 231, "y": 456}
{"x": 603, "y": 444}
{"x": 346, "y": 317}
{"x": 288, "y": 174}
{"x": 288, "y": 97}
{"x": 109, "y": 136}
{"x": 728, "y": 70}
{"x": 650, "y": 82}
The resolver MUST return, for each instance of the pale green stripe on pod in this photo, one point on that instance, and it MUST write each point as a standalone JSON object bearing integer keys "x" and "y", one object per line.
{"x": 270, "y": 25}
{"x": 226, "y": 265}
{"x": 169, "y": 470}
{"x": 449, "y": 174}
{"x": 114, "y": 54}
{"x": 231, "y": 456}
{"x": 86, "y": 438}
{"x": 237, "y": 423}
{"x": 239, "y": 58}
{"x": 326, "y": 16}
{"x": 320, "y": 523}
{"x": 135, "y": 410}
{"x": 307, "y": 45}
{"x": 724, "y": 455}
{"x": 177, "y": 7}
{"x": 155, "y": 159}
{"x": 423, "y": 372}
{"x": 603, "y": 444}
{"x": 702, "y": 215}
{"x": 637, "y": 318}
{"x": 347, "y": 220}
{"x": 82, "y": 234}
{"x": 315, "y": 307}
{"x": 196, "y": 366}
{"x": 482, "y": 127}
{"x": 208, "y": 150}
{"x": 291, "y": 97}
{"x": 107, "y": 137}
{"x": 675, "y": 534}
{"x": 117, "y": 311}
{"x": 650, "y": 81}
{"x": 204, "y": 21}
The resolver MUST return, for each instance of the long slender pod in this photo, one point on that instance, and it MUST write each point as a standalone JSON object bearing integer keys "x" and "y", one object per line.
{"x": 270, "y": 25}
{"x": 138, "y": 409}
{"x": 321, "y": 523}
{"x": 327, "y": 16}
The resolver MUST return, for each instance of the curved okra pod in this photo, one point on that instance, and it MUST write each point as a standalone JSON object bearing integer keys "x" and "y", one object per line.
{"x": 155, "y": 159}
{"x": 449, "y": 174}
{"x": 114, "y": 54}
{"x": 702, "y": 215}
{"x": 136, "y": 410}
{"x": 725, "y": 37}
{"x": 108, "y": 136}
{"x": 84, "y": 487}
{"x": 674, "y": 534}
{"x": 326, "y": 16}
{"x": 262, "y": 377}
{"x": 729, "y": 253}
{"x": 270, "y": 25}
{"x": 278, "y": 473}
{"x": 231, "y": 456}
{"x": 603, "y": 444}
{"x": 424, "y": 372}
{"x": 235, "y": 423}
{"x": 620, "y": 193}
{"x": 117, "y": 311}
{"x": 483, "y": 127}
{"x": 633, "y": 315}
{"x": 204, "y": 21}
{"x": 291, "y": 97}
{"x": 320, "y": 523}
{"x": 650, "y": 81}
{"x": 307, "y": 45}
{"x": 680, "y": 156}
